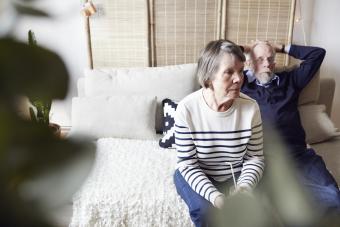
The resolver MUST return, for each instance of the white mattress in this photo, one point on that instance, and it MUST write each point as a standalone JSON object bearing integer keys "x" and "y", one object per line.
{"x": 131, "y": 184}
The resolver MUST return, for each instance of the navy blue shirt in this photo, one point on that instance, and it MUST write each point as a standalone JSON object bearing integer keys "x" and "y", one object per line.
{"x": 278, "y": 100}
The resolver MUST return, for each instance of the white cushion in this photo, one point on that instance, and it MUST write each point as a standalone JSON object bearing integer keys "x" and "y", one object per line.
{"x": 174, "y": 82}
{"x": 310, "y": 94}
{"x": 317, "y": 125}
{"x": 115, "y": 116}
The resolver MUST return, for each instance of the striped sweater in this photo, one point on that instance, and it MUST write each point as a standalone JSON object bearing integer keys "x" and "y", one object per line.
{"x": 208, "y": 142}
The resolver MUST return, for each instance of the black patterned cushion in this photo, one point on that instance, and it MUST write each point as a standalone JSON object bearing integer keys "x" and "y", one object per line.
{"x": 169, "y": 109}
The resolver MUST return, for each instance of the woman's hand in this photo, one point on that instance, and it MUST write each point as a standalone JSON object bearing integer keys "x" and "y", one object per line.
{"x": 219, "y": 202}
{"x": 241, "y": 189}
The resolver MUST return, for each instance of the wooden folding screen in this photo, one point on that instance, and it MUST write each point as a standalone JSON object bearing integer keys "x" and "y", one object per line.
{"x": 119, "y": 33}
{"x": 132, "y": 33}
{"x": 271, "y": 20}
{"x": 182, "y": 29}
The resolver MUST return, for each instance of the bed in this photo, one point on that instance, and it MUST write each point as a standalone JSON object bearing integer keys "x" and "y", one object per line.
{"x": 131, "y": 183}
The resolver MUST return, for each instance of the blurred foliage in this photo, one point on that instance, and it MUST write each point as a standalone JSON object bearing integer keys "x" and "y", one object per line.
{"x": 42, "y": 106}
{"x": 23, "y": 8}
{"x": 29, "y": 150}
{"x": 279, "y": 200}
{"x": 39, "y": 72}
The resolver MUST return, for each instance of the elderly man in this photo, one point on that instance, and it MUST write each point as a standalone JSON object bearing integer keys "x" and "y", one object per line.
{"x": 277, "y": 95}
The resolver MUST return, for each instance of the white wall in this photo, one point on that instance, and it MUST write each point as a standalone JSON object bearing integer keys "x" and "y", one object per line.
{"x": 63, "y": 33}
{"x": 302, "y": 29}
{"x": 325, "y": 32}
{"x": 319, "y": 22}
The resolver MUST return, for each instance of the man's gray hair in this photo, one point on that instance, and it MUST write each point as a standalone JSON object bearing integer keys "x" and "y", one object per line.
{"x": 210, "y": 59}
{"x": 272, "y": 49}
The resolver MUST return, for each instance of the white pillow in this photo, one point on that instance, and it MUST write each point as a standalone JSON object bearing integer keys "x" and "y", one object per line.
{"x": 174, "y": 82}
{"x": 310, "y": 94}
{"x": 115, "y": 116}
{"x": 317, "y": 125}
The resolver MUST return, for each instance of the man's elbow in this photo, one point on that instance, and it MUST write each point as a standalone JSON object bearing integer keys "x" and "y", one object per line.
{"x": 322, "y": 52}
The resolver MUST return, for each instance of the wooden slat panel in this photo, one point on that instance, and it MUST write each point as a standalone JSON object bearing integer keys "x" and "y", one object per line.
{"x": 119, "y": 33}
{"x": 259, "y": 19}
{"x": 182, "y": 29}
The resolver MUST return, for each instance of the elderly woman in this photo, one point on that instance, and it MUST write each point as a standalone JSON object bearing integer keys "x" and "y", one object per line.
{"x": 218, "y": 134}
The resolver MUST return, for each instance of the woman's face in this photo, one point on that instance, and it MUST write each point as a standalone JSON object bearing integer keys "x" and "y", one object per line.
{"x": 228, "y": 80}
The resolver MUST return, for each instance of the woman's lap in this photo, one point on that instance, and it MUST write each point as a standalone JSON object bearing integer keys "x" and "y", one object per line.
{"x": 199, "y": 207}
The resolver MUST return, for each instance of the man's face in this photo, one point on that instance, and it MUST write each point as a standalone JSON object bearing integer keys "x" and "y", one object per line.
{"x": 263, "y": 62}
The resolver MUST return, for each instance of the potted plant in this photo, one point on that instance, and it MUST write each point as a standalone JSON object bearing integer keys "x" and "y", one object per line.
{"x": 41, "y": 107}
{"x": 36, "y": 166}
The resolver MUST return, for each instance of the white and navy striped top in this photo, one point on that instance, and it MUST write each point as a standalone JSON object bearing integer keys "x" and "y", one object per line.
{"x": 208, "y": 142}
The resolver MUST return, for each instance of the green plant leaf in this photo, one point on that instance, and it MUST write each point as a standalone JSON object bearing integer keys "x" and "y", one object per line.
{"x": 30, "y": 149}
{"x": 16, "y": 212}
{"x": 29, "y": 10}
{"x": 31, "y": 38}
{"x": 32, "y": 71}
{"x": 32, "y": 114}
{"x": 27, "y": 151}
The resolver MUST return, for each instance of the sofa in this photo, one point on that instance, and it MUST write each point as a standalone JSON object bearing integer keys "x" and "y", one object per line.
{"x": 315, "y": 105}
{"x": 329, "y": 148}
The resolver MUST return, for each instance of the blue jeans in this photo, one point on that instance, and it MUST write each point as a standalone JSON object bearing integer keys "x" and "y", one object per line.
{"x": 200, "y": 209}
{"x": 319, "y": 181}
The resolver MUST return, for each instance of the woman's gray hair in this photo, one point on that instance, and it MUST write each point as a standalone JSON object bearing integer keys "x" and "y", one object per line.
{"x": 210, "y": 58}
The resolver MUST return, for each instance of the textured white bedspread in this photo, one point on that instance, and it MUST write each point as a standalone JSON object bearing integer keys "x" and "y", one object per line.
{"x": 131, "y": 184}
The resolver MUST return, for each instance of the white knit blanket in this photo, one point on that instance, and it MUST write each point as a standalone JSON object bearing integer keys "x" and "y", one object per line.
{"x": 131, "y": 184}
